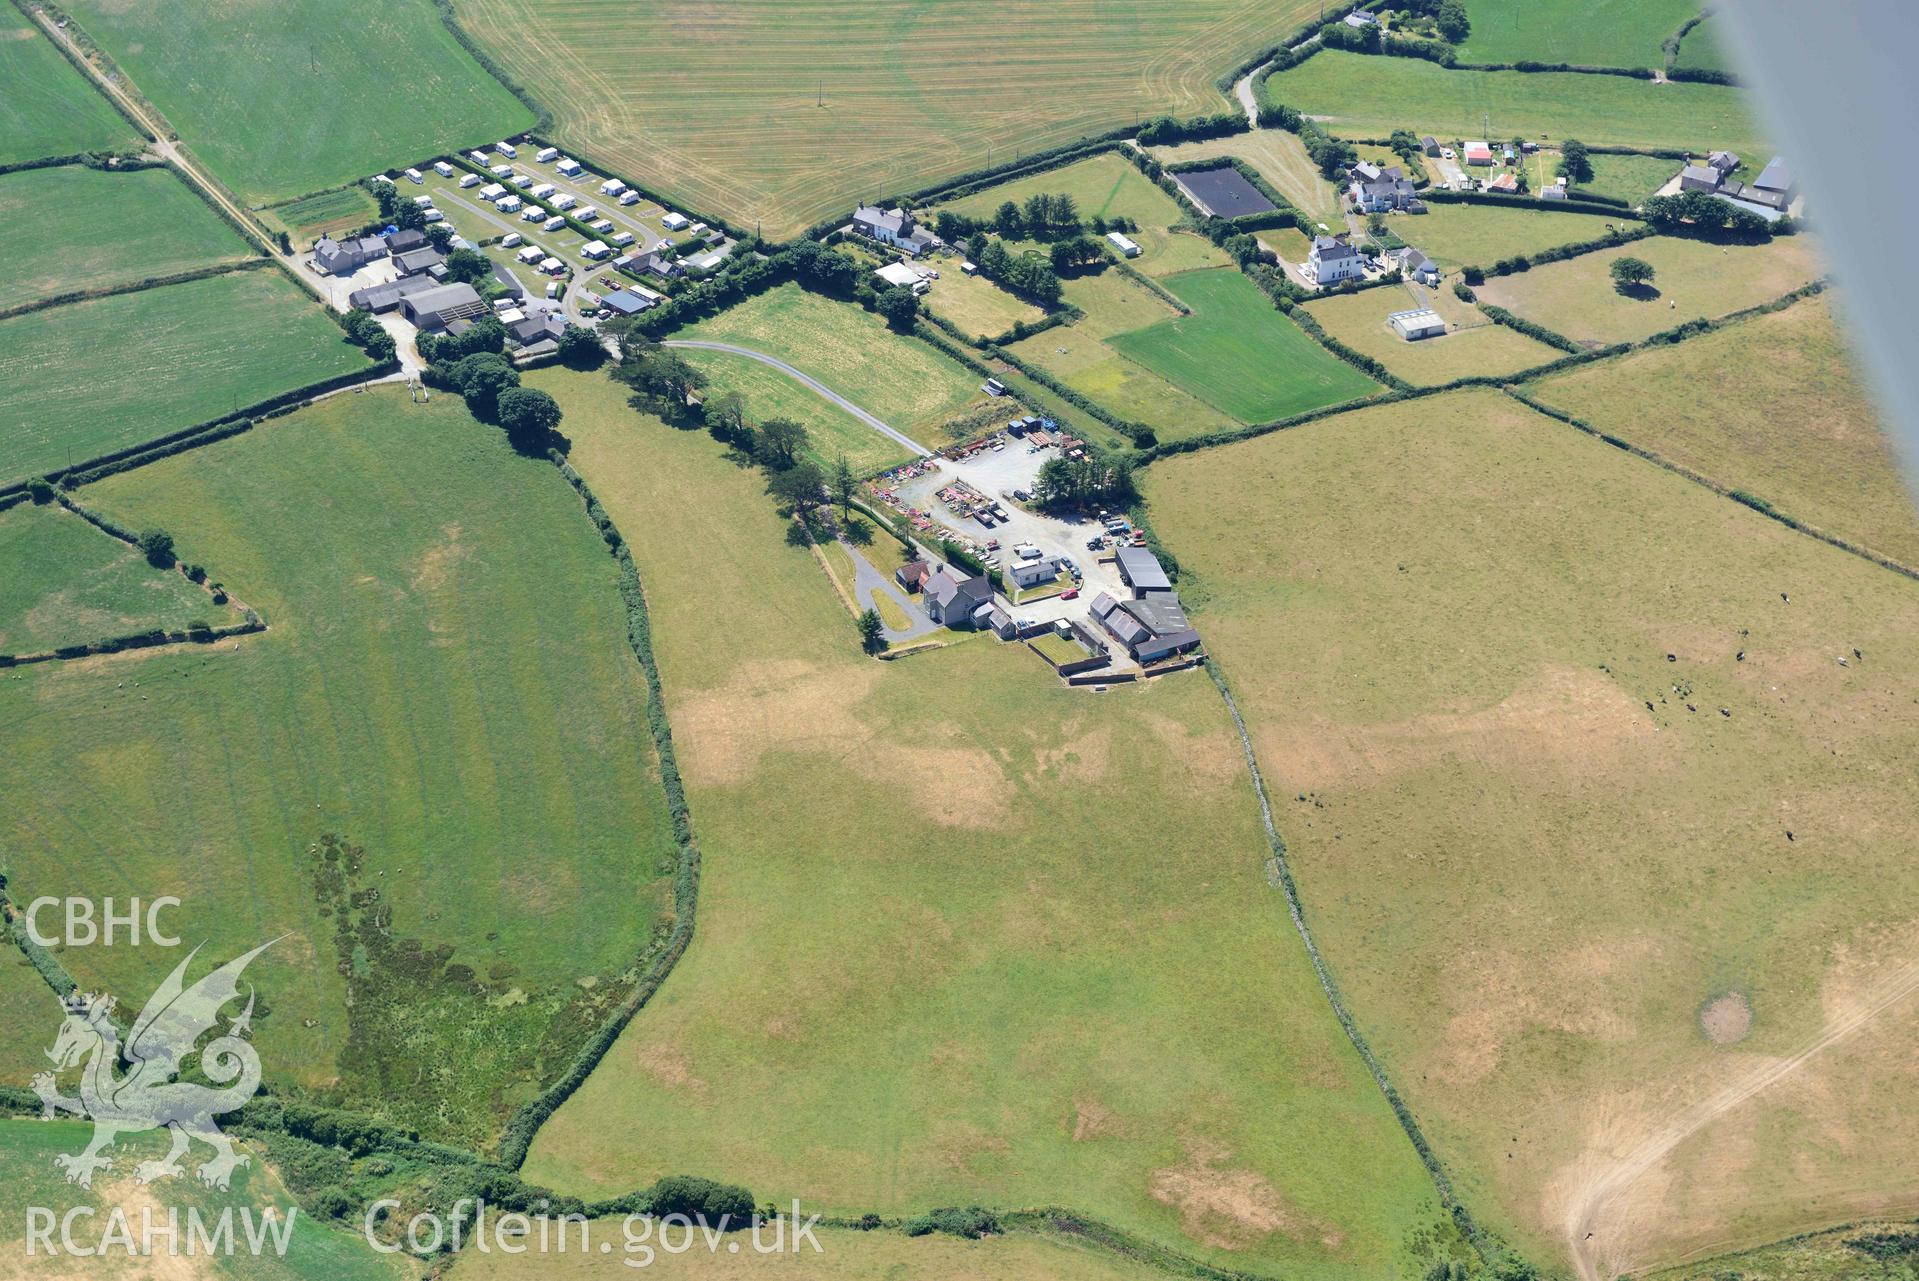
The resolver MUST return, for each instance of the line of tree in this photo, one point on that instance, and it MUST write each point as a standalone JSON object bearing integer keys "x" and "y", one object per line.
{"x": 1029, "y": 277}
{"x": 1705, "y": 213}
{"x": 1097, "y": 478}
{"x": 474, "y": 364}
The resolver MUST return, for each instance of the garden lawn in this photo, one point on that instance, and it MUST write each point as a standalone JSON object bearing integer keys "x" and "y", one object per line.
{"x": 898, "y": 379}
{"x": 771, "y": 394}
{"x": 968, "y": 1009}
{"x": 1106, "y": 186}
{"x": 1278, "y": 156}
{"x": 978, "y": 306}
{"x": 1479, "y": 235}
{"x": 788, "y": 114}
{"x": 68, "y": 583}
{"x": 316, "y": 1250}
{"x": 1592, "y": 33}
{"x": 844, "y": 1254}
{"x": 445, "y": 682}
{"x": 156, "y": 227}
{"x": 1365, "y": 96}
{"x": 1773, "y": 406}
{"x": 1359, "y": 321}
{"x": 281, "y": 100}
{"x": 1630, "y": 178}
{"x": 89, "y": 378}
{"x": 48, "y": 108}
{"x": 1483, "y": 658}
{"x": 1695, "y": 279}
{"x": 1238, "y": 353}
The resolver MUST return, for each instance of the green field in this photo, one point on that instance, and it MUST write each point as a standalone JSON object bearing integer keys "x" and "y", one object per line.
{"x": 282, "y": 100}
{"x": 1238, "y": 353}
{"x": 67, "y": 583}
{"x": 1108, "y": 186}
{"x": 758, "y": 113}
{"x": 901, "y": 381}
{"x": 446, "y": 682}
{"x": 158, "y": 227}
{"x": 1368, "y": 96}
{"x": 771, "y": 394}
{"x": 155, "y": 362}
{"x": 1591, "y": 33}
{"x": 977, "y": 305}
{"x": 1772, "y": 406}
{"x": 1534, "y": 888}
{"x": 1701, "y": 50}
{"x": 49, "y": 109}
{"x": 845, "y": 1254}
{"x": 1630, "y": 178}
{"x": 32, "y": 1016}
{"x": 1481, "y": 347}
{"x": 1694, "y": 279}
{"x": 1479, "y": 235}
{"x": 967, "y": 1007}
{"x": 1278, "y": 156}
{"x": 316, "y": 1251}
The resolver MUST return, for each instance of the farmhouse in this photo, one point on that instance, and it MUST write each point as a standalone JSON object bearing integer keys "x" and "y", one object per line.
{"x": 912, "y": 575}
{"x": 1360, "y": 19}
{"x": 343, "y": 259}
{"x": 441, "y": 305}
{"x": 1415, "y": 265}
{"x": 653, "y": 263}
{"x": 1120, "y": 242}
{"x": 952, "y": 601}
{"x": 547, "y": 326}
{"x": 894, "y": 227}
{"x": 1422, "y": 322}
{"x": 1333, "y": 260}
{"x": 1700, "y": 178}
{"x": 1151, "y": 627}
{"x": 1723, "y": 161}
{"x": 1381, "y": 189}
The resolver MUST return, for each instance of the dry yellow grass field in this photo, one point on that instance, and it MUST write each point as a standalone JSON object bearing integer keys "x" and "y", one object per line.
{"x": 1479, "y": 347}
{"x": 1772, "y": 406}
{"x": 786, "y": 111}
{"x": 1597, "y": 787}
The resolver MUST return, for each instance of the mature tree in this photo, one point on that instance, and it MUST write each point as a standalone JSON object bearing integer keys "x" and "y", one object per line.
{"x": 1080, "y": 251}
{"x": 530, "y": 418}
{"x": 1404, "y": 143}
{"x": 1451, "y": 20}
{"x": 481, "y": 378}
{"x": 660, "y": 376}
{"x": 1630, "y": 273}
{"x": 1574, "y": 164}
{"x": 157, "y": 546}
{"x": 440, "y": 237}
{"x": 952, "y": 227}
{"x": 1376, "y": 225}
{"x": 1039, "y": 212}
{"x": 468, "y": 266}
{"x": 1007, "y": 220}
{"x": 872, "y": 632}
{"x": 581, "y": 348}
{"x": 800, "y": 487}
{"x": 845, "y": 485}
{"x": 781, "y": 440}
{"x": 900, "y": 306}
{"x": 726, "y": 416}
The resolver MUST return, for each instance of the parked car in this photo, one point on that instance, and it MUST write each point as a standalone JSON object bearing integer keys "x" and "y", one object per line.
{"x": 1094, "y": 544}
{"x": 1071, "y": 593}
{"x": 1446, "y": 153}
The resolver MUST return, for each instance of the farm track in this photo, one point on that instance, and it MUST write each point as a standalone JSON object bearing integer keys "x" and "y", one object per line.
{"x": 1592, "y": 1257}
{"x": 811, "y": 384}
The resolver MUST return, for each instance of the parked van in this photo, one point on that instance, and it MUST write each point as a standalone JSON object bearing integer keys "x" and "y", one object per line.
{"x": 442, "y": 168}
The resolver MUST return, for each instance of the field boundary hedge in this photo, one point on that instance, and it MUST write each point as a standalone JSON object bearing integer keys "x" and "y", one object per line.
{"x": 1743, "y": 497}
{"x": 1279, "y": 873}
{"x": 1365, "y": 364}
{"x": 251, "y": 263}
{"x": 1569, "y": 205}
{"x": 542, "y": 118}
{"x": 1538, "y": 333}
{"x": 517, "y": 1138}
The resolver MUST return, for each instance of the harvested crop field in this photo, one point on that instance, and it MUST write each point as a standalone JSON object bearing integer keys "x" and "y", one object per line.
{"x": 991, "y": 1015}
{"x": 1480, "y": 347}
{"x": 1695, "y": 280}
{"x": 1368, "y": 97}
{"x": 977, "y": 305}
{"x": 1771, "y": 406}
{"x": 757, "y": 113}
{"x": 49, "y": 109}
{"x": 902, "y": 381}
{"x": 445, "y": 683}
{"x": 1238, "y": 353}
{"x": 397, "y": 87}
{"x": 1584, "y": 758}
{"x": 174, "y": 357}
{"x": 68, "y": 583}
{"x": 159, "y": 228}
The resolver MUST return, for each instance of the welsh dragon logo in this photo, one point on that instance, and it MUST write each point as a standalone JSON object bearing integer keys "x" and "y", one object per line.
{"x": 147, "y": 1095}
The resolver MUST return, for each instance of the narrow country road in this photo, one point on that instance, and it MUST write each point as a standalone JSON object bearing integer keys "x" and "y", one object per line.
{"x": 813, "y": 384}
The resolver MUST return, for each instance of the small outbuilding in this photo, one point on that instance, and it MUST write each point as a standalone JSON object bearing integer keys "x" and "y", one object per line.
{"x": 1413, "y": 325}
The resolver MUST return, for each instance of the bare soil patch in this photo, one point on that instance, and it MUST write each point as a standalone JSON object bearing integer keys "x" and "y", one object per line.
{"x": 1726, "y": 1019}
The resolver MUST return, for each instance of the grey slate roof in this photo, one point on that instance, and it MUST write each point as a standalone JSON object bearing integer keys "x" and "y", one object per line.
{"x": 1141, "y": 570}
{"x": 1326, "y": 248}
{"x": 408, "y": 238}
{"x": 1775, "y": 176}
